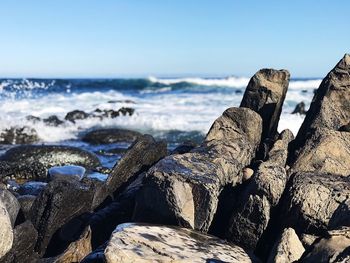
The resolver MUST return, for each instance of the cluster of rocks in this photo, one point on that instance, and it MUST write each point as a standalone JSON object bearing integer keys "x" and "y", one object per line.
{"x": 247, "y": 193}
{"x": 28, "y": 135}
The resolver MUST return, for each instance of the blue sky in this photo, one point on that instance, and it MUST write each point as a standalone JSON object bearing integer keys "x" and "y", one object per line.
{"x": 121, "y": 38}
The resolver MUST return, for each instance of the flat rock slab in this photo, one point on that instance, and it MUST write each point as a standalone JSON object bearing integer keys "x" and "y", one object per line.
{"x": 151, "y": 243}
{"x": 67, "y": 172}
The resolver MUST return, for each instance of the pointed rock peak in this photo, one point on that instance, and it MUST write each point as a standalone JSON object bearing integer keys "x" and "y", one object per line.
{"x": 344, "y": 63}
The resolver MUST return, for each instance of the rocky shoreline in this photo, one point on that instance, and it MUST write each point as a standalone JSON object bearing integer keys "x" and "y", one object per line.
{"x": 245, "y": 194}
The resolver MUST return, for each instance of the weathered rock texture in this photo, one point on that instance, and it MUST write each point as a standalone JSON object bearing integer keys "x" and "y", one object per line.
{"x": 105, "y": 136}
{"x": 251, "y": 216}
{"x": 265, "y": 94}
{"x": 330, "y": 107}
{"x": 149, "y": 243}
{"x": 6, "y": 233}
{"x": 287, "y": 249}
{"x": 184, "y": 188}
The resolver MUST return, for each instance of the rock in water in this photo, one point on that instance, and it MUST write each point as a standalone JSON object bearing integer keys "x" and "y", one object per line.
{"x": 19, "y": 135}
{"x": 67, "y": 172}
{"x": 105, "y": 136}
{"x": 53, "y": 120}
{"x": 265, "y": 94}
{"x": 184, "y": 188}
{"x": 287, "y": 249}
{"x": 330, "y": 107}
{"x": 149, "y": 243}
{"x": 299, "y": 109}
{"x": 51, "y": 155}
{"x": 72, "y": 116}
{"x": 333, "y": 248}
{"x": 6, "y": 233}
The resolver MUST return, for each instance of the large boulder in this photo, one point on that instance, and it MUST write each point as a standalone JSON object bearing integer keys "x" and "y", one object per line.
{"x": 287, "y": 248}
{"x": 105, "y": 136}
{"x": 251, "y": 215}
{"x": 56, "y": 205}
{"x": 332, "y": 248}
{"x": 330, "y": 107}
{"x": 184, "y": 188}
{"x": 149, "y": 243}
{"x": 265, "y": 94}
{"x": 316, "y": 202}
{"x": 11, "y": 204}
{"x": 51, "y": 155}
{"x": 6, "y": 232}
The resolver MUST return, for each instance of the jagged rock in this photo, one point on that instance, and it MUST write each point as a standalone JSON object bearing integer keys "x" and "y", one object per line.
{"x": 33, "y": 119}
{"x": 56, "y": 205}
{"x": 105, "y": 136}
{"x": 299, "y": 109}
{"x": 31, "y": 188}
{"x": 11, "y": 204}
{"x": 140, "y": 157}
{"x": 51, "y": 155}
{"x": 252, "y": 213}
{"x": 72, "y": 116}
{"x": 76, "y": 251}
{"x": 330, "y": 107}
{"x": 307, "y": 240}
{"x": 26, "y": 202}
{"x": 19, "y": 135}
{"x": 287, "y": 249}
{"x": 22, "y": 250}
{"x": 149, "y": 243}
{"x": 335, "y": 247}
{"x": 6, "y": 233}
{"x": 184, "y": 188}
{"x": 316, "y": 202}
{"x": 67, "y": 172}
{"x": 345, "y": 128}
{"x": 53, "y": 120}
{"x": 265, "y": 94}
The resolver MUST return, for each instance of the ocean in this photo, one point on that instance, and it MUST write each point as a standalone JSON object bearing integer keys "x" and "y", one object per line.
{"x": 175, "y": 109}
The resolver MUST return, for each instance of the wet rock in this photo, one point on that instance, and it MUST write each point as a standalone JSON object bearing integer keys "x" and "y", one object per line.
{"x": 22, "y": 250}
{"x": 265, "y": 94}
{"x": 251, "y": 216}
{"x": 31, "y": 188}
{"x": 184, "y": 188}
{"x": 105, "y": 136}
{"x": 334, "y": 247}
{"x": 11, "y": 204}
{"x": 26, "y": 202}
{"x": 19, "y": 135}
{"x": 33, "y": 119}
{"x": 137, "y": 242}
{"x": 145, "y": 152}
{"x": 22, "y": 171}
{"x": 53, "y": 120}
{"x": 68, "y": 172}
{"x": 330, "y": 107}
{"x": 185, "y": 147}
{"x": 6, "y": 233}
{"x": 316, "y": 202}
{"x": 72, "y": 116}
{"x": 126, "y": 111}
{"x": 287, "y": 249}
{"x": 326, "y": 151}
{"x": 57, "y": 204}
{"x": 76, "y": 251}
{"x": 51, "y": 155}
{"x": 299, "y": 109}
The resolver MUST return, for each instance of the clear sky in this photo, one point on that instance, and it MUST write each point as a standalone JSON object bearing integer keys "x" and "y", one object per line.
{"x": 119, "y": 38}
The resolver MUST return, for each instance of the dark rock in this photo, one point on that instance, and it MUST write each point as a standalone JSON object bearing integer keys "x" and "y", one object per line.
{"x": 97, "y": 256}
{"x": 127, "y": 111}
{"x": 316, "y": 202}
{"x": 60, "y": 202}
{"x": 105, "y": 136}
{"x": 345, "y": 128}
{"x": 299, "y": 108}
{"x": 122, "y": 101}
{"x": 11, "y": 204}
{"x": 184, "y": 189}
{"x": 185, "y": 147}
{"x": 33, "y": 119}
{"x": 265, "y": 94}
{"x": 68, "y": 172}
{"x": 22, "y": 171}
{"x": 6, "y": 233}
{"x": 25, "y": 236}
{"x": 53, "y": 120}
{"x": 334, "y": 247}
{"x": 72, "y": 116}
{"x": 31, "y": 188}
{"x": 26, "y": 202}
{"x": 51, "y": 155}
{"x": 138, "y": 242}
{"x": 330, "y": 107}
{"x": 19, "y": 135}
